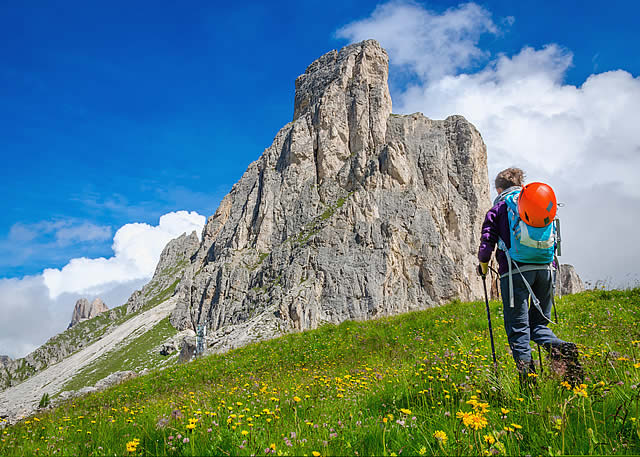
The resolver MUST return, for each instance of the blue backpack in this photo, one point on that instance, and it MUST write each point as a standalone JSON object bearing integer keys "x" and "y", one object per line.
{"x": 528, "y": 244}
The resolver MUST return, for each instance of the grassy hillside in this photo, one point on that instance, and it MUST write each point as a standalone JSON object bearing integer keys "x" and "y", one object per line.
{"x": 416, "y": 384}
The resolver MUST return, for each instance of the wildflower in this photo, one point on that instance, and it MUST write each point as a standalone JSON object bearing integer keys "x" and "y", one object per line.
{"x": 441, "y": 436}
{"x": 384, "y": 419}
{"x": 516, "y": 426}
{"x": 477, "y": 422}
{"x": 581, "y": 390}
{"x": 316, "y": 454}
{"x": 297, "y": 399}
{"x": 405, "y": 411}
{"x": 481, "y": 407}
{"x": 133, "y": 445}
{"x": 489, "y": 439}
{"x": 566, "y": 385}
{"x": 422, "y": 451}
{"x": 505, "y": 411}
{"x": 244, "y": 433}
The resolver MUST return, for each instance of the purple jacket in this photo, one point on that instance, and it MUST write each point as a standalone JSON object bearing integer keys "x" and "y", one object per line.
{"x": 495, "y": 225}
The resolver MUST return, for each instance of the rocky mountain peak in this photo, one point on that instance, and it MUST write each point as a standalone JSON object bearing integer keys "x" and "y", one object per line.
{"x": 84, "y": 310}
{"x": 352, "y": 212}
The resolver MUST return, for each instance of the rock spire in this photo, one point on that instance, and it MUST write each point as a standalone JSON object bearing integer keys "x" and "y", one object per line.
{"x": 351, "y": 213}
{"x": 85, "y": 310}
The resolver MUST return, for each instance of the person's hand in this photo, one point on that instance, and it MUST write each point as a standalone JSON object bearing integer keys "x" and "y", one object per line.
{"x": 483, "y": 268}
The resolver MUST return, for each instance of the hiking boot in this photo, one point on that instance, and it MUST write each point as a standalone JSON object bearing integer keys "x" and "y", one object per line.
{"x": 564, "y": 357}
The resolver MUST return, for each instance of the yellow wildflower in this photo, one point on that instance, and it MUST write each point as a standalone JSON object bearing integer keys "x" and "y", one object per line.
{"x": 505, "y": 411}
{"x": 440, "y": 436}
{"x": 297, "y": 399}
{"x": 316, "y": 454}
{"x": 477, "y": 421}
{"x": 516, "y": 426}
{"x": 133, "y": 445}
{"x": 422, "y": 451}
{"x": 489, "y": 439}
{"x": 405, "y": 411}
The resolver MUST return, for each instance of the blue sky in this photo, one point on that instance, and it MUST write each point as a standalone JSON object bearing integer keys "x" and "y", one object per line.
{"x": 123, "y": 124}
{"x": 112, "y": 114}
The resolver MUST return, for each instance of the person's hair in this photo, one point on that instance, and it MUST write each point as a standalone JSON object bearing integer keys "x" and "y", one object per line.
{"x": 509, "y": 178}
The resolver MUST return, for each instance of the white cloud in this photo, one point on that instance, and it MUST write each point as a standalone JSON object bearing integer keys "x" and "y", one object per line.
{"x": 137, "y": 248}
{"x": 35, "y": 308}
{"x": 582, "y": 140}
{"x": 430, "y": 44}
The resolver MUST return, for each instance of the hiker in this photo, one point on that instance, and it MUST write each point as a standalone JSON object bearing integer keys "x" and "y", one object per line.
{"x": 530, "y": 277}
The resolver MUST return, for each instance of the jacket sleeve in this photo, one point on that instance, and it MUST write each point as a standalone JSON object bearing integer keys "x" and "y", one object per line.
{"x": 489, "y": 235}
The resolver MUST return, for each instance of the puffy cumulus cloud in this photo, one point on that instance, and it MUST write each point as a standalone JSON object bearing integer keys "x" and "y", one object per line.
{"x": 26, "y": 318}
{"x": 34, "y": 308}
{"x": 581, "y": 139}
{"x": 431, "y": 44}
{"x": 137, "y": 248}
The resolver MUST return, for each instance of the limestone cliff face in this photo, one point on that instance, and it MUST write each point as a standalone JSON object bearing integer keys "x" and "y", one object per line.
{"x": 351, "y": 213}
{"x": 85, "y": 310}
{"x": 568, "y": 281}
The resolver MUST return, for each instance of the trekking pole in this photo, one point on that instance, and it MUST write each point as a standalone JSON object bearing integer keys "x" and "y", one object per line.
{"x": 486, "y": 300}
{"x": 540, "y": 357}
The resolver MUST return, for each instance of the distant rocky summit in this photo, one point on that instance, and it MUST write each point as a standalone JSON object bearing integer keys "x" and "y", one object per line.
{"x": 568, "y": 281}
{"x": 351, "y": 213}
{"x": 83, "y": 310}
{"x": 5, "y": 360}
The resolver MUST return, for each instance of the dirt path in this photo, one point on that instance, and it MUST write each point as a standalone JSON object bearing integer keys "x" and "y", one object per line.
{"x": 22, "y": 400}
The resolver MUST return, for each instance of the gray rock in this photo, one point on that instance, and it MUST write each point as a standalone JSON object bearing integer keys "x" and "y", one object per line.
{"x": 351, "y": 213}
{"x": 115, "y": 378}
{"x": 188, "y": 348}
{"x": 174, "y": 258}
{"x": 111, "y": 380}
{"x": 568, "y": 281}
{"x": 83, "y": 310}
{"x": 174, "y": 343}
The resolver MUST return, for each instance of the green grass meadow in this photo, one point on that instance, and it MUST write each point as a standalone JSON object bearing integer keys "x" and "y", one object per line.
{"x": 421, "y": 383}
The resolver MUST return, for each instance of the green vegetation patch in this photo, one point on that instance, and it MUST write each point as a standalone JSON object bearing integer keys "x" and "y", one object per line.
{"x": 421, "y": 383}
{"x": 136, "y": 355}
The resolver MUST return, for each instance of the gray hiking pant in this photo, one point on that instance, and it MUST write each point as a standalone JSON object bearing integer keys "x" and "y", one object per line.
{"x": 522, "y": 323}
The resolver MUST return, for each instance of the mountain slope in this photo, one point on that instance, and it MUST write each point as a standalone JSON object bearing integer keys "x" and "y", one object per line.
{"x": 413, "y": 384}
{"x": 21, "y": 400}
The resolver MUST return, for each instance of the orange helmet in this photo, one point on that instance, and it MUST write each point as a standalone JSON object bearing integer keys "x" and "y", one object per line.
{"x": 537, "y": 204}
